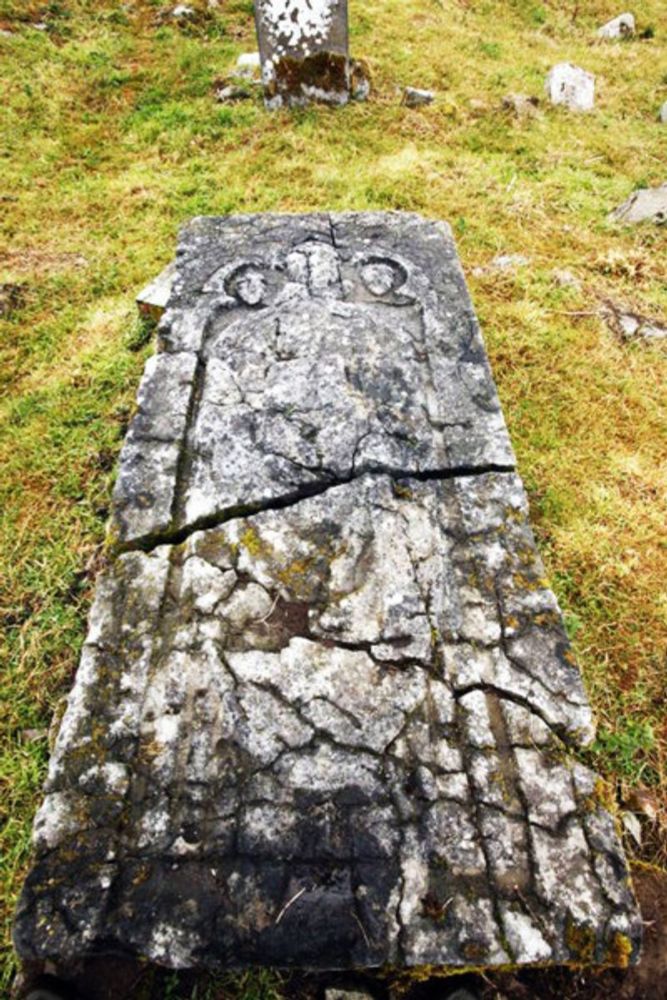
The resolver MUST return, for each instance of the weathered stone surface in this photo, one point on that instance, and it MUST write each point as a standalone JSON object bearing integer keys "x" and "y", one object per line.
{"x": 303, "y": 46}
{"x": 571, "y": 86}
{"x": 622, "y": 26}
{"x": 643, "y": 205}
{"x": 334, "y": 732}
{"x": 330, "y": 735}
{"x": 302, "y": 351}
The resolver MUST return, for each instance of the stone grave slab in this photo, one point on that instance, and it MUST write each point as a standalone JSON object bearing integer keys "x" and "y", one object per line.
{"x": 326, "y": 714}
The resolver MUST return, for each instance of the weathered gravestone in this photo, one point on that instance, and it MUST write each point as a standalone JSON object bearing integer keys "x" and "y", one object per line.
{"x": 326, "y": 711}
{"x": 303, "y": 47}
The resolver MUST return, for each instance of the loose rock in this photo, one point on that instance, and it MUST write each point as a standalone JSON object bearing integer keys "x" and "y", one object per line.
{"x": 230, "y": 93}
{"x": 644, "y": 205}
{"x": 360, "y": 80}
{"x": 502, "y": 262}
{"x": 571, "y": 86}
{"x": 337, "y": 994}
{"x": 565, "y": 279}
{"x": 622, "y": 26}
{"x": 413, "y": 98}
{"x": 662, "y": 115}
{"x": 521, "y": 105}
{"x": 181, "y": 12}
{"x": 630, "y": 325}
{"x": 248, "y": 65}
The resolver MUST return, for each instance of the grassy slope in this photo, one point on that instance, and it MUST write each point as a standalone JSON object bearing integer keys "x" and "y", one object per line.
{"x": 111, "y": 140}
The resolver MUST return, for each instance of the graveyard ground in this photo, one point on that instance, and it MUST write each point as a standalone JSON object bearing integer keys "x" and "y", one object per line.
{"x": 111, "y": 138}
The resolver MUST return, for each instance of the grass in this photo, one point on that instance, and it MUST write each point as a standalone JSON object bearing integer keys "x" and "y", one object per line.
{"x": 111, "y": 139}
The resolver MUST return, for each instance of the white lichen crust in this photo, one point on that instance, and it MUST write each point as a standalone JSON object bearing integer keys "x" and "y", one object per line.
{"x": 336, "y": 732}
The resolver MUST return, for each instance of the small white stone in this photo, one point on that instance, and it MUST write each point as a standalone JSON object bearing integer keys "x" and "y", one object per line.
{"x": 565, "y": 279}
{"x": 571, "y": 86}
{"x": 644, "y": 205}
{"x": 619, "y": 27}
{"x": 509, "y": 261}
{"x": 182, "y": 12}
{"x": 662, "y": 115}
{"x": 247, "y": 65}
{"x": 346, "y": 995}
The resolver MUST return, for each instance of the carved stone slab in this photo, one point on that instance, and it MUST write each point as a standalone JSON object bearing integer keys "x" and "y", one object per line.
{"x": 334, "y": 727}
{"x": 300, "y": 351}
{"x": 303, "y": 47}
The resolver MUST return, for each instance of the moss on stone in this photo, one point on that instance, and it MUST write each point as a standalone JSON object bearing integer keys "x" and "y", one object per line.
{"x": 325, "y": 72}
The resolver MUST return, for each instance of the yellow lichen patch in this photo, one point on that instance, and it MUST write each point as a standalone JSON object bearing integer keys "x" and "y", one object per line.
{"x": 253, "y": 543}
{"x": 401, "y": 490}
{"x": 619, "y": 951}
{"x": 581, "y": 942}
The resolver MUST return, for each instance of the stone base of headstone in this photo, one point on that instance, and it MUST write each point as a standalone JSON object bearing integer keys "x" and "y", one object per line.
{"x": 323, "y": 78}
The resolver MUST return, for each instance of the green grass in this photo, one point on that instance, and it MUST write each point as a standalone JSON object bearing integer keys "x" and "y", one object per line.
{"x": 111, "y": 139}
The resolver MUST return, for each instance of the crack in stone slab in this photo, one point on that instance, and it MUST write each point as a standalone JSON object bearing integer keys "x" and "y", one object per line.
{"x": 176, "y": 537}
{"x": 324, "y": 722}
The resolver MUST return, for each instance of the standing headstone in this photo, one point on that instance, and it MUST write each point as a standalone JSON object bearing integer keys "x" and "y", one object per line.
{"x": 303, "y": 47}
{"x": 327, "y": 714}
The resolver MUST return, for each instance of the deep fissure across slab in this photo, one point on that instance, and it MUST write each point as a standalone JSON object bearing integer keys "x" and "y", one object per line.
{"x": 177, "y": 537}
{"x": 327, "y": 710}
